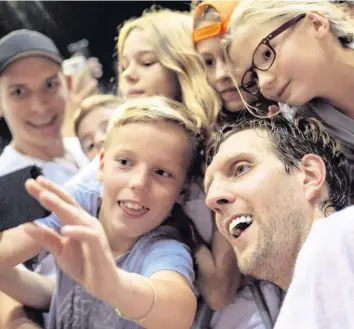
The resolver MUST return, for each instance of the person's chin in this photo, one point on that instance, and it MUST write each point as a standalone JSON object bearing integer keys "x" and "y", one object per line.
{"x": 234, "y": 105}
{"x": 298, "y": 100}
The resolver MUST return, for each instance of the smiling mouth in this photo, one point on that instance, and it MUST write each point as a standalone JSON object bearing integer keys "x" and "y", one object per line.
{"x": 42, "y": 125}
{"x": 239, "y": 225}
{"x": 282, "y": 91}
{"x": 133, "y": 209}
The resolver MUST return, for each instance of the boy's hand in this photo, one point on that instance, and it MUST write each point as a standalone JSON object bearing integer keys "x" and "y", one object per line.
{"x": 82, "y": 250}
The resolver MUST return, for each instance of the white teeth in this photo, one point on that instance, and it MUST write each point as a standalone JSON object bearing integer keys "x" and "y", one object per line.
{"x": 132, "y": 205}
{"x": 44, "y": 123}
{"x": 238, "y": 220}
{"x": 232, "y": 225}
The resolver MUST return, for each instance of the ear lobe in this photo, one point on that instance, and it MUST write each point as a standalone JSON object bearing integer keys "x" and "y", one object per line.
{"x": 315, "y": 176}
{"x": 319, "y": 21}
{"x": 100, "y": 168}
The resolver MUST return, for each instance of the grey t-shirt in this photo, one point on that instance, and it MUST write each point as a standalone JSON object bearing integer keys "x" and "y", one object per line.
{"x": 74, "y": 308}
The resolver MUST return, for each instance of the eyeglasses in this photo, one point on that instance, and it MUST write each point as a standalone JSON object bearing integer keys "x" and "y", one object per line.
{"x": 264, "y": 57}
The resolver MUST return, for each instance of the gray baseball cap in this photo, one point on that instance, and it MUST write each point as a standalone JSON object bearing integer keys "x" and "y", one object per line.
{"x": 24, "y": 43}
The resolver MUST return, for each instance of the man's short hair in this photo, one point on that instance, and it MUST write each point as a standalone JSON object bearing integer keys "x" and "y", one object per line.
{"x": 291, "y": 141}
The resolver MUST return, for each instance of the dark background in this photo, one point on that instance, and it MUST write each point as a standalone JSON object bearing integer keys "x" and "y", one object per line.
{"x": 69, "y": 21}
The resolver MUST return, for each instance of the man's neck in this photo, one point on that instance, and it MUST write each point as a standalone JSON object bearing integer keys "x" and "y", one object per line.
{"x": 284, "y": 275}
{"x": 44, "y": 153}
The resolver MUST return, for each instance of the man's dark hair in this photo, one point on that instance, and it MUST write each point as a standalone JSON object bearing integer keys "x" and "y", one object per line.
{"x": 291, "y": 141}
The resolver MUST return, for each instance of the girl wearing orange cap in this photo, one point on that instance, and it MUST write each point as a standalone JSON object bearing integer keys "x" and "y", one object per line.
{"x": 210, "y": 24}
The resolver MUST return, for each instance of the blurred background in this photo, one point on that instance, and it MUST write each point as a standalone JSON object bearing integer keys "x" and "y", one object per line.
{"x": 75, "y": 24}
{"x": 67, "y": 22}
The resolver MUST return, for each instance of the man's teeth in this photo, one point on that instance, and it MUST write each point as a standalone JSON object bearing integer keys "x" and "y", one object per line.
{"x": 44, "y": 123}
{"x": 238, "y": 220}
{"x": 132, "y": 205}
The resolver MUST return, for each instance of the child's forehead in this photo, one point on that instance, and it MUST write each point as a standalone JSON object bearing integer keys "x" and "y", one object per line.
{"x": 150, "y": 136}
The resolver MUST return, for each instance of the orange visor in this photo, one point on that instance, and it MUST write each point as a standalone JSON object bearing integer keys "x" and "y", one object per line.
{"x": 224, "y": 9}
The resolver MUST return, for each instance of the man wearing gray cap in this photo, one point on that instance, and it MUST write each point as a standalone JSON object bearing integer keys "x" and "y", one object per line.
{"x": 33, "y": 98}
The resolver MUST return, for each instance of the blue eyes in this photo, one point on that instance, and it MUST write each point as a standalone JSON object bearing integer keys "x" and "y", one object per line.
{"x": 126, "y": 163}
{"x": 240, "y": 169}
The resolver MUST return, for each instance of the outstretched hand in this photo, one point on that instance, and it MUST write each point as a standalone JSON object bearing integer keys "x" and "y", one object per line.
{"x": 81, "y": 249}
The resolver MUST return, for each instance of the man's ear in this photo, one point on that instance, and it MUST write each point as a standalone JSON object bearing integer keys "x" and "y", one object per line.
{"x": 100, "y": 168}
{"x": 319, "y": 22}
{"x": 69, "y": 82}
{"x": 314, "y": 170}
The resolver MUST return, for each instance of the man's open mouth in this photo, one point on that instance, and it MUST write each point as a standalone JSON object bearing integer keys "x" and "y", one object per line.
{"x": 240, "y": 224}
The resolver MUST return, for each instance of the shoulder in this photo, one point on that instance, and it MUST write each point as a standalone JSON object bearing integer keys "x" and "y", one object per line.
{"x": 162, "y": 252}
{"x": 11, "y": 160}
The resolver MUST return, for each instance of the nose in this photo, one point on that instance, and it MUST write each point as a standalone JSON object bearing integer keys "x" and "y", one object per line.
{"x": 39, "y": 104}
{"x": 219, "y": 197}
{"x": 221, "y": 71}
{"x": 266, "y": 81}
{"x": 139, "y": 179}
{"x": 99, "y": 140}
{"x": 130, "y": 74}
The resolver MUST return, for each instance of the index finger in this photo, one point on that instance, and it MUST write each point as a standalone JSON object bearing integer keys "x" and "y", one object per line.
{"x": 68, "y": 213}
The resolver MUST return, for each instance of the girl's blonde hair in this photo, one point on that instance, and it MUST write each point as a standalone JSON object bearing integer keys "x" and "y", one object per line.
{"x": 90, "y": 103}
{"x": 170, "y": 33}
{"x": 263, "y": 11}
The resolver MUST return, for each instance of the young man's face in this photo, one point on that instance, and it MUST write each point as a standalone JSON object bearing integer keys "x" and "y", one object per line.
{"x": 246, "y": 182}
{"x": 33, "y": 97}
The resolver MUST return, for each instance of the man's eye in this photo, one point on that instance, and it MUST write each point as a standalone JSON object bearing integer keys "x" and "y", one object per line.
{"x": 18, "y": 91}
{"x": 241, "y": 169}
{"x": 51, "y": 84}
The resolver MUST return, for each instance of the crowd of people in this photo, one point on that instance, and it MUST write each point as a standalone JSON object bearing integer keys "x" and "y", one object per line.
{"x": 213, "y": 191}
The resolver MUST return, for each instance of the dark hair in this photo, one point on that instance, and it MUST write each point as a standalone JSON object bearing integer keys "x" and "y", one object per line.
{"x": 225, "y": 116}
{"x": 291, "y": 141}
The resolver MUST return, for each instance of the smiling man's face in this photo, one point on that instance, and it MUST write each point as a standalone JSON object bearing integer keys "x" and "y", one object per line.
{"x": 33, "y": 95}
{"x": 260, "y": 208}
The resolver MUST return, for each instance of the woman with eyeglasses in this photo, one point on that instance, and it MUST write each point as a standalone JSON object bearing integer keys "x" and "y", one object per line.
{"x": 299, "y": 53}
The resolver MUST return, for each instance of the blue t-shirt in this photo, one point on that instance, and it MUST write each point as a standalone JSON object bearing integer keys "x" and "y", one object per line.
{"x": 73, "y": 307}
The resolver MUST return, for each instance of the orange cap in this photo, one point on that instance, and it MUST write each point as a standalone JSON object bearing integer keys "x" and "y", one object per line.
{"x": 224, "y": 9}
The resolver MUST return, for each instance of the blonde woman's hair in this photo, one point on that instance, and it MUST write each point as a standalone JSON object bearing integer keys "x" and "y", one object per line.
{"x": 263, "y": 11}
{"x": 160, "y": 109}
{"x": 170, "y": 33}
{"x": 92, "y": 102}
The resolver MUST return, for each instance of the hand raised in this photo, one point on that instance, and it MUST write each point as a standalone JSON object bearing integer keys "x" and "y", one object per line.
{"x": 82, "y": 249}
